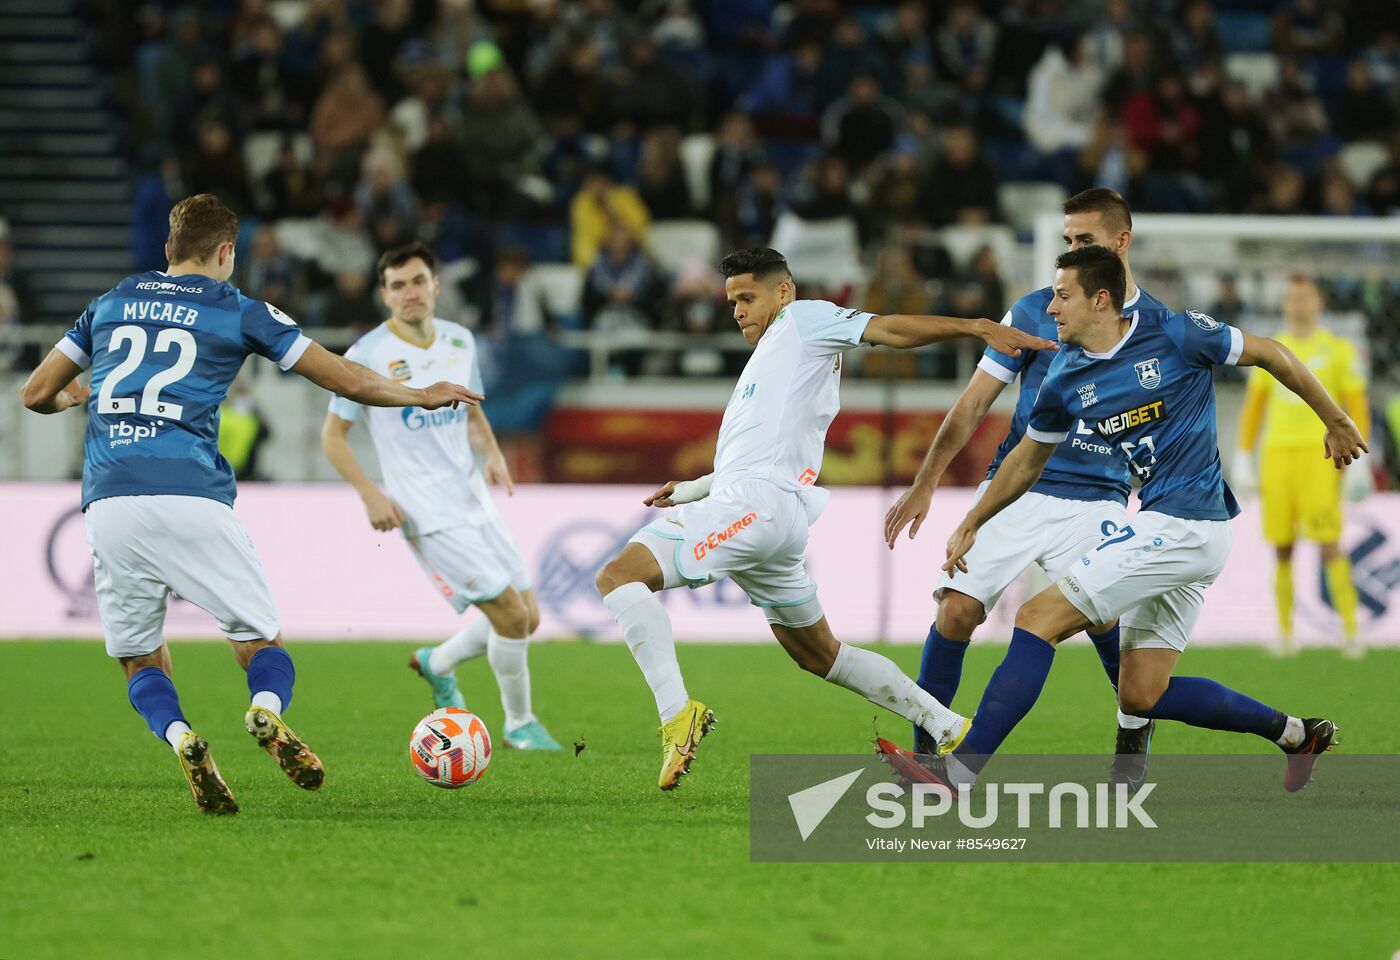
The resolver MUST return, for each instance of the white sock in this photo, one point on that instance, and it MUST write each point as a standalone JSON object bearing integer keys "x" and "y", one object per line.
{"x": 174, "y": 731}
{"x": 1129, "y": 722}
{"x": 647, "y": 632}
{"x": 1292, "y": 733}
{"x": 882, "y": 683}
{"x": 512, "y": 670}
{"x": 468, "y": 642}
{"x": 959, "y": 774}
{"x": 266, "y": 698}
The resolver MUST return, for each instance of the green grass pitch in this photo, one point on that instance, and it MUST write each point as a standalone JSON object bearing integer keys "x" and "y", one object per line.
{"x": 104, "y": 854}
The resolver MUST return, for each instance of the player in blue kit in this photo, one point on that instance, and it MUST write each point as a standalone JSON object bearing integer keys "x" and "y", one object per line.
{"x": 163, "y": 347}
{"x": 1082, "y": 492}
{"x": 1145, "y": 385}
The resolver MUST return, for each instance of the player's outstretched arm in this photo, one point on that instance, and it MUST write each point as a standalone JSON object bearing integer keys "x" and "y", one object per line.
{"x": 1017, "y": 474}
{"x": 483, "y": 441}
{"x": 53, "y": 386}
{"x": 1343, "y": 442}
{"x": 361, "y": 384}
{"x": 384, "y": 513}
{"x": 905, "y": 331}
{"x": 957, "y": 428}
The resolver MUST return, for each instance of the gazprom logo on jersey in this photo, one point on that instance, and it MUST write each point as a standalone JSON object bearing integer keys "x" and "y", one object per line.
{"x": 123, "y": 434}
{"x": 416, "y": 419}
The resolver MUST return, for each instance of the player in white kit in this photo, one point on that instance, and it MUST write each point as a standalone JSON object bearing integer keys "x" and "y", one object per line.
{"x": 437, "y": 492}
{"x": 749, "y": 519}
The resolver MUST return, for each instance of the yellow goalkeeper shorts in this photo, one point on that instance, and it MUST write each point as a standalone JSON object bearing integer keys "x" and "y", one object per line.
{"x": 1300, "y": 494}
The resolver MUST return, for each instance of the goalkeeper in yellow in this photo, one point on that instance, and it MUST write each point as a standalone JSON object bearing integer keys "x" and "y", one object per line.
{"x": 1300, "y": 491}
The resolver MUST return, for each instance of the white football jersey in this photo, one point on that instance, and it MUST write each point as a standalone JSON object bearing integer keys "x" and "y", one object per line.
{"x": 425, "y": 456}
{"x": 776, "y": 421}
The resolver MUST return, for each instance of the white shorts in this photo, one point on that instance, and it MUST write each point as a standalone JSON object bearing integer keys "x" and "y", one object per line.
{"x": 145, "y": 548}
{"x": 752, "y": 531}
{"x": 472, "y": 562}
{"x": 1153, "y": 573}
{"x": 1052, "y": 532}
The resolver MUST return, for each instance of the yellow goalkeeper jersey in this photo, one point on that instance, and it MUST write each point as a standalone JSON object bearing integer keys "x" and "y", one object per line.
{"x": 1287, "y": 420}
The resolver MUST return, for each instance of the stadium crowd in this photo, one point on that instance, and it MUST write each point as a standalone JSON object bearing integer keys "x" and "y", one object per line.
{"x": 513, "y": 132}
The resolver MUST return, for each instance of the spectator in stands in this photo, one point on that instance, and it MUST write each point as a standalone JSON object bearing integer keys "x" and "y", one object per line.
{"x": 506, "y": 139}
{"x": 497, "y": 304}
{"x": 651, "y": 92}
{"x": 432, "y": 96}
{"x": 600, "y": 206}
{"x": 849, "y": 54}
{"x": 1229, "y": 304}
{"x": 351, "y": 306}
{"x": 661, "y": 181}
{"x": 574, "y": 87}
{"x": 824, "y": 192}
{"x": 962, "y": 186}
{"x": 904, "y": 33}
{"x": 1137, "y": 72}
{"x": 966, "y": 44}
{"x": 272, "y": 274}
{"x": 897, "y": 184}
{"x": 1307, "y": 27}
{"x": 1296, "y": 116}
{"x": 386, "y": 202}
{"x": 1338, "y": 197}
{"x": 1283, "y": 196}
{"x": 438, "y": 165}
{"x": 289, "y": 189}
{"x": 381, "y": 41}
{"x": 1382, "y": 58}
{"x": 1363, "y": 109}
{"x": 1383, "y": 192}
{"x": 737, "y": 151}
{"x": 271, "y": 94}
{"x": 1235, "y": 146}
{"x": 1195, "y": 41}
{"x": 1063, "y": 105}
{"x": 624, "y": 285}
{"x": 215, "y": 165}
{"x": 861, "y": 125}
{"x": 342, "y": 122}
{"x": 759, "y": 202}
{"x": 1164, "y": 126}
{"x": 304, "y": 42}
{"x": 1107, "y": 38}
{"x": 205, "y": 97}
{"x": 783, "y": 99}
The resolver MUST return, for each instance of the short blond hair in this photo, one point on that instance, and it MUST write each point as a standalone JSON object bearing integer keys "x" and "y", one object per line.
{"x": 198, "y": 226}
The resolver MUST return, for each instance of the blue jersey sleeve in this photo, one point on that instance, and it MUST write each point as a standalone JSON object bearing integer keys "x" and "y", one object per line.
{"x": 1203, "y": 340}
{"x": 270, "y": 333}
{"x": 1007, "y": 368}
{"x": 76, "y": 344}
{"x": 828, "y": 328}
{"x": 1050, "y": 420}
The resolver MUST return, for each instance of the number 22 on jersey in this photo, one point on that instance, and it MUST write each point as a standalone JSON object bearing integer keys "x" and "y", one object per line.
{"x": 181, "y": 341}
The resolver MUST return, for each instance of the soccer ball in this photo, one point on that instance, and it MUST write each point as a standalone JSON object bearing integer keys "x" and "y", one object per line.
{"x": 450, "y": 748}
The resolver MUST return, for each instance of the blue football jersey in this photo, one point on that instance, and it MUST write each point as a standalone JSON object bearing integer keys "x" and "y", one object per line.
{"x": 1084, "y": 467}
{"x": 1152, "y": 399}
{"x": 163, "y": 351}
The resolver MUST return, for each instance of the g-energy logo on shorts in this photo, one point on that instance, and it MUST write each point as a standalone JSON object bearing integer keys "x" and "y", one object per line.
{"x": 1110, "y": 427}
{"x": 718, "y": 537}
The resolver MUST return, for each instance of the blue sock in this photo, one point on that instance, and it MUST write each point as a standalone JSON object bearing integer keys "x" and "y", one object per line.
{"x": 1205, "y": 703}
{"x": 153, "y": 695}
{"x": 271, "y": 670}
{"x": 1010, "y": 693}
{"x": 940, "y": 670}
{"x": 1106, "y": 644}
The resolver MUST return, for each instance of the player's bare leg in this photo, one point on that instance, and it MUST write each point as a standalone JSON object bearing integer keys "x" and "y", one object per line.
{"x": 513, "y": 618}
{"x": 153, "y": 695}
{"x": 815, "y": 649}
{"x": 270, "y": 680}
{"x": 629, "y": 584}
